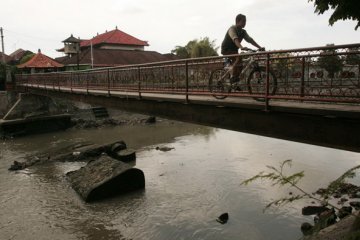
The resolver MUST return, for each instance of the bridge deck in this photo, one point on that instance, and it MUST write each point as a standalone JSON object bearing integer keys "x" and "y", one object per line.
{"x": 306, "y": 107}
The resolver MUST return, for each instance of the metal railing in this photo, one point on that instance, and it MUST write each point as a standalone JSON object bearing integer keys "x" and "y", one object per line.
{"x": 321, "y": 74}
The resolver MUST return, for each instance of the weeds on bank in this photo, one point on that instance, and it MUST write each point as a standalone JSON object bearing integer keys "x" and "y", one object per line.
{"x": 277, "y": 176}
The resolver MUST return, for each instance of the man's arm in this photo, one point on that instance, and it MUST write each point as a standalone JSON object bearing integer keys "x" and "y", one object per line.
{"x": 237, "y": 43}
{"x": 252, "y": 41}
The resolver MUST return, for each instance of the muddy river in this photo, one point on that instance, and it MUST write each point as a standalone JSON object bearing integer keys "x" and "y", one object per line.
{"x": 187, "y": 188}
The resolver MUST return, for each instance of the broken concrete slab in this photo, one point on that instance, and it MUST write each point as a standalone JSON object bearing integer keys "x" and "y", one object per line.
{"x": 105, "y": 177}
{"x": 83, "y": 152}
{"x": 125, "y": 155}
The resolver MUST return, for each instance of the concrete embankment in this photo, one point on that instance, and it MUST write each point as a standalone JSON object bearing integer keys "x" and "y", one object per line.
{"x": 6, "y": 101}
{"x": 32, "y": 114}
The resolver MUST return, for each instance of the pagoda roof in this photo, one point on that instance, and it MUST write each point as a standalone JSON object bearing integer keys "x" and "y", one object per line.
{"x": 40, "y": 61}
{"x": 72, "y": 39}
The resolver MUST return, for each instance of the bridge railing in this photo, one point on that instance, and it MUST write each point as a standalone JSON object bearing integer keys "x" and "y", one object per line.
{"x": 321, "y": 74}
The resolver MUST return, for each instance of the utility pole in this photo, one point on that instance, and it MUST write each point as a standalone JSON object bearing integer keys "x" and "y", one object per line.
{"x": 8, "y": 79}
{"x": 2, "y": 44}
{"x": 92, "y": 57}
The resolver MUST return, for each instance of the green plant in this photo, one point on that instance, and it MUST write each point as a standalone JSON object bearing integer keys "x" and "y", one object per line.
{"x": 278, "y": 177}
{"x": 331, "y": 62}
{"x": 196, "y": 48}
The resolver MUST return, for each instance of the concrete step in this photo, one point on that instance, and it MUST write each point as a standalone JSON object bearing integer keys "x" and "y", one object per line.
{"x": 100, "y": 112}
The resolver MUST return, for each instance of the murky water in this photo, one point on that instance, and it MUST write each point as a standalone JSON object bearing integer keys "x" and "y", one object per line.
{"x": 187, "y": 188}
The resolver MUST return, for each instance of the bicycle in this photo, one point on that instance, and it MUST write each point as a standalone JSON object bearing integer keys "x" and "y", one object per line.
{"x": 220, "y": 83}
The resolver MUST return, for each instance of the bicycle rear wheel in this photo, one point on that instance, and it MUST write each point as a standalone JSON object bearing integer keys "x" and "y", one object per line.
{"x": 217, "y": 83}
{"x": 257, "y": 82}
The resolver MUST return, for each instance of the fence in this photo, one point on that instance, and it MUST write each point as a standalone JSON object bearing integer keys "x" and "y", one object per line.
{"x": 322, "y": 74}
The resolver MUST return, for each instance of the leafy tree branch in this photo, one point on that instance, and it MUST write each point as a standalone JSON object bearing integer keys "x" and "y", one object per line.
{"x": 343, "y": 9}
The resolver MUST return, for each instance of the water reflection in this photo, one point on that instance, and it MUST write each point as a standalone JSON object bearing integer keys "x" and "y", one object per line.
{"x": 187, "y": 188}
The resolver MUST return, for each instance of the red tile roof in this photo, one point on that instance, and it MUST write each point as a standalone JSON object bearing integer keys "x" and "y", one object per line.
{"x": 113, "y": 57}
{"x": 40, "y": 61}
{"x": 114, "y": 37}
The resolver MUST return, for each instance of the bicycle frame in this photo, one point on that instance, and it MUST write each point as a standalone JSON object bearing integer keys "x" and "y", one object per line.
{"x": 250, "y": 61}
{"x": 251, "y": 77}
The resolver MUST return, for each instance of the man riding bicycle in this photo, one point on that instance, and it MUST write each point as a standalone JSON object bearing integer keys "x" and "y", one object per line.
{"x": 232, "y": 43}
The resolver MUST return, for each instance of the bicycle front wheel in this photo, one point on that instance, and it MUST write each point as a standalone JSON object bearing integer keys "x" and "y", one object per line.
{"x": 217, "y": 83}
{"x": 256, "y": 83}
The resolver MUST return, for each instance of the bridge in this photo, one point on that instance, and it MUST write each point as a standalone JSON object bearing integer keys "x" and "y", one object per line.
{"x": 316, "y": 101}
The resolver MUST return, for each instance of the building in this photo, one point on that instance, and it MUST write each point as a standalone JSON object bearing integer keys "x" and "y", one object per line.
{"x": 4, "y": 57}
{"x": 40, "y": 63}
{"x": 109, "y": 49}
{"x": 16, "y": 56}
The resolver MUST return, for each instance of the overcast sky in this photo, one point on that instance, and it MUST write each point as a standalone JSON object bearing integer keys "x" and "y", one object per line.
{"x": 274, "y": 24}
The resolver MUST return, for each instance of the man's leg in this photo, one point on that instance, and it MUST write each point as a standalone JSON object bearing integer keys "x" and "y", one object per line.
{"x": 236, "y": 70}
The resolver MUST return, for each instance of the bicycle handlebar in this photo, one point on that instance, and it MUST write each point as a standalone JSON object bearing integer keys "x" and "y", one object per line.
{"x": 246, "y": 49}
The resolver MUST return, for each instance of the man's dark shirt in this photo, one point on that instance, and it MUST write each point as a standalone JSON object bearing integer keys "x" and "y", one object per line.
{"x": 228, "y": 45}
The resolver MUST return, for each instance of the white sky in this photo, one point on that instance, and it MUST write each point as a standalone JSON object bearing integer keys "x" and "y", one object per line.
{"x": 274, "y": 24}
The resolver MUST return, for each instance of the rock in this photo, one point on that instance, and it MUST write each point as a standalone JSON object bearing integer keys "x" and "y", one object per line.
{"x": 321, "y": 191}
{"x": 164, "y": 149}
{"x": 151, "y": 119}
{"x": 340, "y": 230}
{"x": 337, "y": 195}
{"x": 76, "y": 154}
{"x": 344, "y": 211}
{"x": 311, "y": 210}
{"x": 126, "y": 155}
{"x": 223, "y": 218}
{"x": 105, "y": 177}
{"x": 307, "y": 228}
{"x": 17, "y": 166}
{"x": 355, "y": 195}
{"x": 325, "y": 218}
{"x": 348, "y": 188}
{"x": 118, "y": 146}
{"x": 342, "y": 201}
{"x": 355, "y": 204}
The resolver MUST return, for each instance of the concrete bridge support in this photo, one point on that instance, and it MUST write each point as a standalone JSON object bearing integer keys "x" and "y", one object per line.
{"x": 7, "y": 99}
{"x": 33, "y": 114}
{"x": 29, "y": 105}
{"x": 318, "y": 126}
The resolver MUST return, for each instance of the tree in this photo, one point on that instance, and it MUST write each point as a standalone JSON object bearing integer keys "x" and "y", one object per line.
{"x": 330, "y": 62}
{"x": 196, "y": 48}
{"x": 26, "y": 57}
{"x": 343, "y": 9}
{"x": 353, "y": 59}
{"x": 4, "y": 69}
{"x": 2, "y": 76}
